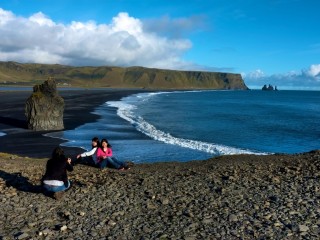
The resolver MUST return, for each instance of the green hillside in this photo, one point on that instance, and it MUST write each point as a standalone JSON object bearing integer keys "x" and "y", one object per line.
{"x": 12, "y": 73}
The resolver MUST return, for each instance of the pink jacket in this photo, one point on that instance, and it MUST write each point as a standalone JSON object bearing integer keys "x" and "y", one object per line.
{"x": 101, "y": 154}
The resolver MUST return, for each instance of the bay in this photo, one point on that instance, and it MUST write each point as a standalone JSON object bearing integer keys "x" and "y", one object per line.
{"x": 194, "y": 125}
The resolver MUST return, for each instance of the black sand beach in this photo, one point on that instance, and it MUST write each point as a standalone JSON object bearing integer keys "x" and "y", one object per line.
{"x": 227, "y": 197}
{"x": 78, "y": 107}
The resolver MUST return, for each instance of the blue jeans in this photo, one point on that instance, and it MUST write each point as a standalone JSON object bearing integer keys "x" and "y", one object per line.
{"x": 115, "y": 163}
{"x": 112, "y": 162}
{"x": 51, "y": 188}
{"x": 103, "y": 163}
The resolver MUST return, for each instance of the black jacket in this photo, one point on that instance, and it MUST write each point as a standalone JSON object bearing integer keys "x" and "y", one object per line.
{"x": 56, "y": 169}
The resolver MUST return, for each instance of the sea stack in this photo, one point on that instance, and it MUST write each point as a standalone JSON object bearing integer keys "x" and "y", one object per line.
{"x": 44, "y": 108}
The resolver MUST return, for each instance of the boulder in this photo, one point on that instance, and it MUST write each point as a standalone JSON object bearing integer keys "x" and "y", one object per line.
{"x": 44, "y": 108}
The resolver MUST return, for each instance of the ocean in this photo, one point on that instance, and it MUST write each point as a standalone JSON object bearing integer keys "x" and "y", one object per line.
{"x": 197, "y": 125}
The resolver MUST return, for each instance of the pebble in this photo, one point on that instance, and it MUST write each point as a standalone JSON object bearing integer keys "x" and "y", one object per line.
{"x": 112, "y": 223}
{"x": 81, "y": 214}
{"x": 23, "y": 236}
{"x": 303, "y": 228}
{"x": 32, "y": 224}
{"x": 165, "y": 201}
{"x": 233, "y": 218}
{"x": 46, "y": 231}
{"x": 63, "y": 228}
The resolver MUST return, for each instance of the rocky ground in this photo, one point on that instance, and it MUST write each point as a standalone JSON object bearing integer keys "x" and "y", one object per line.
{"x": 228, "y": 197}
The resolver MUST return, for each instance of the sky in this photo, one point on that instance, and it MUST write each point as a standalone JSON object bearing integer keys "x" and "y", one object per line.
{"x": 266, "y": 41}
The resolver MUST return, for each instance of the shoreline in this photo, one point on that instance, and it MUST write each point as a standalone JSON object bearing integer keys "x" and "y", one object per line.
{"x": 79, "y": 105}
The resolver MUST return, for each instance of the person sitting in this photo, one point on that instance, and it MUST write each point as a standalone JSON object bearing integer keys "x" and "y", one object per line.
{"x": 105, "y": 158}
{"x": 55, "y": 179}
{"x": 90, "y": 157}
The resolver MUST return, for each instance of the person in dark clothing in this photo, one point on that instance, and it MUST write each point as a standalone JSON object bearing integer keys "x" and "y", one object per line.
{"x": 55, "y": 179}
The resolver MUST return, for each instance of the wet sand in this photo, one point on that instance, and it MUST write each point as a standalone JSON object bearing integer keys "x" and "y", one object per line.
{"x": 78, "y": 107}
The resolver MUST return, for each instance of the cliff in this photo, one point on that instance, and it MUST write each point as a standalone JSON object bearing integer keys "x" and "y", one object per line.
{"x": 12, "y": 73}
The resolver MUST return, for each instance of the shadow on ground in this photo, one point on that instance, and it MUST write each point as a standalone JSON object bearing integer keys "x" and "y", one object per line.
{"x": 19, "y": 182}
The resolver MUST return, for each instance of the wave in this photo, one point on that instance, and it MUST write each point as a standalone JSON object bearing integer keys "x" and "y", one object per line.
{"x": 126, "y": 110}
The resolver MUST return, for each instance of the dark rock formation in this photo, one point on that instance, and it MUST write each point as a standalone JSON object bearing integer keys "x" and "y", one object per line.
{"x": 269, "y": 88}
{"x": 44, "y": 108}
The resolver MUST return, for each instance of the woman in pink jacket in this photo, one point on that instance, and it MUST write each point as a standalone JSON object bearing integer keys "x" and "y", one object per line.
{"x": 104, "y": 157}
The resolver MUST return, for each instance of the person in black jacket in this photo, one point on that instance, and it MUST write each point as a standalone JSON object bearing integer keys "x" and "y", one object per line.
{"x": 55, "y": 179}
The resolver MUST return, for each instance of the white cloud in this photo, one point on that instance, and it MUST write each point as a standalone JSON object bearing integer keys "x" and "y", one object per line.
{"x": 256, "y": 74}
{"x": 5, "y": 16}
{"x": 123, "y": 42}
{"x": 304, "y": 79}
{"x": 41, "y": 19}
{"x": 314, "y": 71}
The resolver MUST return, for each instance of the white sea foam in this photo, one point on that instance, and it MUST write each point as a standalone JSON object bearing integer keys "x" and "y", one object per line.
{"x": 58, "y": 135}
{"x": 69, "y": 142}
{"x": 126, "y": 110}
{"x": 2, "y": 134}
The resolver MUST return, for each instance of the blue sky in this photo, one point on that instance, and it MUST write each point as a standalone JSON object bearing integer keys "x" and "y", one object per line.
{"x": 268, "y": 41}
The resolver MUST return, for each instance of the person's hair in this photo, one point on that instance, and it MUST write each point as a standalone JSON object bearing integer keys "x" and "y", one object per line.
{"x": 58, "y": 153}
{"x": 96, "y": 139}
{"x": 106, "y": 141}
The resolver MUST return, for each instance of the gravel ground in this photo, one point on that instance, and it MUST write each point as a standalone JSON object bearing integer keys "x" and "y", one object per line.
{"x": 227, "y": 197}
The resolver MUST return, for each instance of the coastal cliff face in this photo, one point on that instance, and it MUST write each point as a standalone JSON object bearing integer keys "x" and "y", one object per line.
{"x": 12, "y": 73}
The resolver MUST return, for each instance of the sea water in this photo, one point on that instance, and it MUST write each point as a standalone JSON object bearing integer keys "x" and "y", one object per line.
{"x": 194, "y": 125}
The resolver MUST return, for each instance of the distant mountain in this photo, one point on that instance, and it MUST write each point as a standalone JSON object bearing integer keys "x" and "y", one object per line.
{"x": 12, "y": 73}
